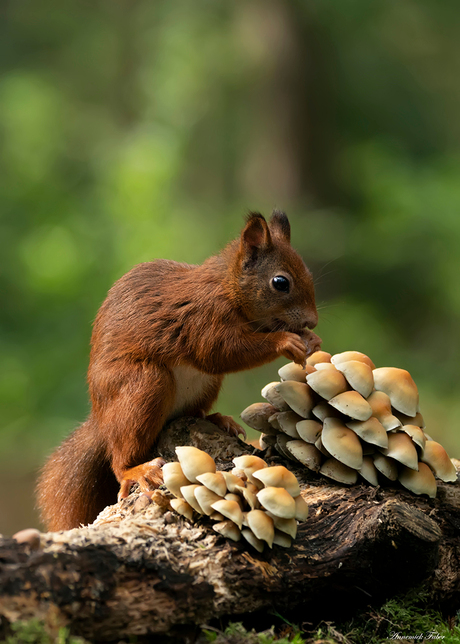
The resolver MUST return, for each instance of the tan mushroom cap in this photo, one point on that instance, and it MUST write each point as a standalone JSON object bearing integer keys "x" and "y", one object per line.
{"x": 217, "y": 516}
{"x": 250, "y": 497}
{"x": 281, "y": 446}
{"x": 278, "y": 501}
{"x": 228, "y": 529}
{"x": 320, "y": 447}
{"x": 174, "y": 478}
{"x": 261, "y": 525}
{"x": 270, "y": 393}
{"x": 324, "y": 366}
{"x": 214, "y": 481}
{"x": 402, "y": 449}
{"x": 437, "y": 458}
{"x": 327, "y": 383}
{"x": 274, "y": 424}
{"x": 250, "y": 537}
{"x": 370, "y": 430}
{"x": 309, "y": 430}
{"x": 256, "y": 416}
{"x": 399, "y": 386}
{"x": 381, "y": 408}
{"x": 194, "y": 462}
{"x": 279, "y": 476}
{"x": 266, "y": 441}
{"x": 324, "y": 410}
{"x": 231, "y": 481}
{"x": 346, "y": 356}
{"x": 368, "y": 471}
{"x": 334, "y": 469}
{"x": 416, "y": 433}
{"x": 231, "y": 510}
{"x": 249, "y": 461}
{"x": 232, "y": 496}
{"x": 342, "y": 443}
{"x": 287, "y": 421}
{"x": 182, "y": 508}
{"x": 282, "y": 539}
{"x": 289, "y": 526}
{"x": 358, "y": 375}
{"x": 188, "y": 492}
{"x": 421, "y": 482}
{"x": 293, "y": 371}
{"x": 318, "y": 356}
{"x": 410, "y": 420}
{"x": 352, "y": 404}
{"x": 298, "y": 396}
{"x": 386, "y": 466}
{"x": 301, "y": 509}
{"x": 206, "y": 498}
{"x": 305, "y": 453}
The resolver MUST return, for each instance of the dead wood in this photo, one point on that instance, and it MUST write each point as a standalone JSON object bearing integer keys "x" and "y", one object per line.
{"x": 141, "y": 569}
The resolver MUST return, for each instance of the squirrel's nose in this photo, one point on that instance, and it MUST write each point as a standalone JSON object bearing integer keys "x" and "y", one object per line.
{"x": 311, "y": 320}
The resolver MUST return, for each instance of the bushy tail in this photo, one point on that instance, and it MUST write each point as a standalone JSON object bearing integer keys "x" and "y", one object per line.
{"x": 77, "y": 481}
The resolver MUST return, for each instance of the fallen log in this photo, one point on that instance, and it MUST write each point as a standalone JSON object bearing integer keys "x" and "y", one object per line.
{"x": 142, "y": 569}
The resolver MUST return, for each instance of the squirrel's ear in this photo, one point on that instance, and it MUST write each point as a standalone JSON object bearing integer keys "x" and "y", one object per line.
{"x": 280, "y": 226}
{"x": 255, "y": 235}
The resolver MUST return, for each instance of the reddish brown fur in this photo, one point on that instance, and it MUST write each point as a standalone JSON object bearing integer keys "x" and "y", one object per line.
{"x": 220, "y": 317}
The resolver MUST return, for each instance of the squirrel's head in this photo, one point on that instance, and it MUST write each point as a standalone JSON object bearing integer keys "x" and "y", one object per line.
{"x": 276, "y": 291}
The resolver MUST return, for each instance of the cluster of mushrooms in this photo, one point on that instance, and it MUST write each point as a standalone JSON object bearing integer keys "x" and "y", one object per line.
{"x": 254, "y": 501}
{"x": 344, "y": 418}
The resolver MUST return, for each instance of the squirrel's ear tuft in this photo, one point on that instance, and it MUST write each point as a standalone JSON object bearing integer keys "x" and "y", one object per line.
{"x": 256, "y": 234}
{"x": 280, "y": 226}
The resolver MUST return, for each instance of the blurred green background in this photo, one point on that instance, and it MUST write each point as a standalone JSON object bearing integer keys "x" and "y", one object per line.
{"x": 136, "y": 129}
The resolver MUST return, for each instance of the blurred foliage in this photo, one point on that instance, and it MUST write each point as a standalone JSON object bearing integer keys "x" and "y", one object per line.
{"x": 135, "y": 129}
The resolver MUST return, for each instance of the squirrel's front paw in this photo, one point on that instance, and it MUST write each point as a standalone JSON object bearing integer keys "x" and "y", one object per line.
{"x": 148, "y": 475}
{"x": 311, "y": 341}
{"x": 227, "y": 424}
{"x": 293, "y": 348}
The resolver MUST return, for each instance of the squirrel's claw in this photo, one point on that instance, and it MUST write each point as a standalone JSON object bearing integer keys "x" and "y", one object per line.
{"x": 148, "y": 475}
{"x": 227, "y": 424}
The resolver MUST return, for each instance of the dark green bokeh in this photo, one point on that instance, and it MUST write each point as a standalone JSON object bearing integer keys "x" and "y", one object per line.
{"x": 138, "y": 129}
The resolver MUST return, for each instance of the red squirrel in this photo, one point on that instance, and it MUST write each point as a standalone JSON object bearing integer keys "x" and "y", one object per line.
{"x": 162, "y": 342}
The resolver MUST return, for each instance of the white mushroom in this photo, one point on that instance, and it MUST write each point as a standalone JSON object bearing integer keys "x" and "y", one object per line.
{"x": 253, "y": 540}
{"x": 437, "y": 458}
{"x": 381, "y": 408}
{"x": 228, "y": 529}
{"x": 402, "y": 449}
{"x": 399, "y": 386}
{"x": 419, "y": 482}
{"x": 206, "y": 498}
{"x": 174, "y": 478}
{"x": 358, "y": 375}
{"x": 301, "y": 509}
{"x": 297, "y": 395}
{"x": 214, "y": 481}
{"x": 182, "y": 508}
{"x": 279, "y": 476}
{"x": 261, "y": 525}
{"x": 371, "y": 431}
{"x": 289, "y": 526}
{"x": 342, "y": 443}
{"x": 324, "y": 410}
{"x": 231, "y": 481}
{"x": 327, "y": 383}
{"x": 188, "y": 492}
{"x": 231, "y": 510}
{"x": 287, "y": 421}
{"x": 293, "y": 371}
{"x": 334, "y": 469}
{"x": 278, "y": 501}
{"x": 270, "y": 393}
{"x": 386, "y": 466}
{"x": 282, "y": 539}
{"x": 318, "y": 356}
{"x": 194, "y": 462}
{"x": 256, "y": 416}
{"x": 368, "y": 471}
{"x": 346, "y": 356}
{"x": 410, "y": 420}
{"x": 352, "y": 404}
{"x": 309, "y": 430}
{"x": 307, "y": 454}
{"x": 416, "y": 433}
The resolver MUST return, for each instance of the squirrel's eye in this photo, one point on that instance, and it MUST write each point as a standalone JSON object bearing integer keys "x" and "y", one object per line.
{"x": 281, "y": 283}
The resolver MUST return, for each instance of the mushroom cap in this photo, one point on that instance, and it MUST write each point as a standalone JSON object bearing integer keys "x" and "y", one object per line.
{"x": 256, "y": 416}
{"x": 322, "y": 366}
{"x": 231, "y": 510}
{"x": 206, "y": 498}
{"x": 279, "y": 476}
{"x": 352, "y": 404}
{"x": 381, "y": 408}
{"x": 370, "y": 430}
{"x": 248, "y": 461}
{"x": 386, "y": 466}
{"x": 228, "y": 529}
{"x": 327, "y": 383}
{"x": 274, "y": 423}
{"x": 231, "y": 481}
{"x": 334, "y": 469}
{"x": 305, "y": 453}
{"x": 188, "y": 492}
{"x": 282, "y": 539}
{"x": 266, "y": 441}
{"x": 232, "y": 496}
{"x": 342, "y": 443}
{"x": 346, "y": 356}
{"x": 318, "y": 356}
{"x": 437, "y": 458}
{"x": 419, "y": 482}
{"x": 320, "y": 447}
{"x": 281, "y": 446}
{"x": 309, "y": 430}
{"x": 368, "y": 471}
{"x": 250, "y": 498}
{"x": 324, "y": 410}
{"x": 298, "y": 396}
{"x": 416, "y": 433}
{"x": 183, "y": 508}
{"x": 289, "y": 526}
{"x": 251, "y": 538}
{"x": 293, "y": 371}
{"x": 287, "y": 421}
{"x": 214, "y": 481}
{"x": 174, "y": 478}
{"x": 358, "y": 375}
{"x": 399, "y": 386}
{"x": 402, "y": 449}
{"x": 261, "y": 525}
{"x": 301, "y": 509}
{"x": 278, "y": 501}
{"x": 410, "y": 420}
{"x": 270, "y": 393}
{"x": 194, "y": 462}
{"x": 217, "y": 516}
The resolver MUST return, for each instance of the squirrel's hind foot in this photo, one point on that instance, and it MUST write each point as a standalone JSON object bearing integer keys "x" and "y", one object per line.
{"x": 227, "y": 424}
{"x": 148, "y": 475}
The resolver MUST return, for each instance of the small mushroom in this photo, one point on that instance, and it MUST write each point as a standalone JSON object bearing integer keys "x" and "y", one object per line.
{"x": 256, "y": 416}
{"x": 279, "y": 476}
{"x": 183, "y": 508}
{"x": 358, "y": 375}
{"x": 399, "y": 386}
{"x": 174, "y": 478}
{"x": 318, "y": 356}
{"x": 301, "y": 509}
{"x": 334, "y": 469}
{"x": 266, "y": 441}
{"x": 327, "y": 383}
{"x": 309, "y": 430}
{"x": 194, "y": 462}
{"x": 289, "y": 526}
{"x": 282, "y": 539}
{"x": 370, "y": 430}
{"x": 297, "y": 395}
{"x": 386, "y": 466}
{"x": 248, "y": 461}
{"x": 288, "y": 422}
{"x": 250, "y": 497}
{"x": 253, "y": 540}
{"x": 188, "y": 493}
{"x": 231, "y": 510}
{"x": 239, "y": 473}
{"x": 368, "y": 471}
{"x": 231, "y": 496}
{"x": 217, "y": 516}
{"x": 214, "y": 481}
{"x": 324, "y": 410}
{"x": 206, "y": 498}
{"x": 228, "y": 529}
{"x": 402, "y": 449}
{"x": 270, "y": 393}
{"x": 261, "y": 525}
{"x": 381, "y": 408}
{"x": 232, "y": 481}
{"x": 281, "y": 446}
{"x": 278, "y": 501}
{"x": 342, "y": 443}
{"x": 419, "y": 482}
{"x": 352, "y": 404}
{"x": 305, "y": 453}
{"x": 274, "y": 423}
{"x": 322, "y": 366}
{"x": 346, "y": 356}
{"x": 320, "y": 447}
{"x": 293, "y": 371}
{"x": 416, "y": 433}
{"x": 437, "y": 458}
{"x": 29, "y": 537}
{"x": 410, "y": 420}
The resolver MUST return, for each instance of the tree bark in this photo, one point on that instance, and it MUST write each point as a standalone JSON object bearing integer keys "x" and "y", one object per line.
{"x": 142, "y": 569}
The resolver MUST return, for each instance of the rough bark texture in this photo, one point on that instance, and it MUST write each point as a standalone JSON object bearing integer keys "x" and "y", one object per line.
{"x": 141, "y": 569}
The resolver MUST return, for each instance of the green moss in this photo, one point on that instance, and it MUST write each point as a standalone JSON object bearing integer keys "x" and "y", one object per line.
{"x": 34, "y": 632}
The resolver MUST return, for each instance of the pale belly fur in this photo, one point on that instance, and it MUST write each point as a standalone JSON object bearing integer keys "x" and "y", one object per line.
{"x": 191, "y": 384}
